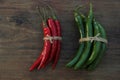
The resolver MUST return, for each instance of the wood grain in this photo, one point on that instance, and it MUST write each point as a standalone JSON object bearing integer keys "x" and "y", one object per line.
{"x": 19, "y": 19}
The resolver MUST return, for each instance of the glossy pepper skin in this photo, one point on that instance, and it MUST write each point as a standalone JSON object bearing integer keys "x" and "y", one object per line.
{"x": 47, "y": 48}
{"x": 94, "y": 64}
{"x": 88, "y": 44}
{"x": 53, "y": 29}
{"x": 45, "y": 52}
{"x": 56, "y": 58}
{"x": 79, "y": 21}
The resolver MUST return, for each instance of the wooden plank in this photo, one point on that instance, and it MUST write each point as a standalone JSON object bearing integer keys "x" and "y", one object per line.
{"x": 19, "y": 19}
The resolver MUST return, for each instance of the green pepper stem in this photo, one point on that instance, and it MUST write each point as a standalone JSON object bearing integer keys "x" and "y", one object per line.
{"x": 53, "y": 12}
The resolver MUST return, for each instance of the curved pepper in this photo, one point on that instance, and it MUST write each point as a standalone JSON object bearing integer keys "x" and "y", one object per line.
{"x": 57, "y": 23}
{"x": 53, "y": 29}
{"x": 95, "y": 63}
{"x": 45, "y": 52}
{"x": 79, "y": 20}
{"x": 88, "y": 44}
{"x": 47, "y": 48}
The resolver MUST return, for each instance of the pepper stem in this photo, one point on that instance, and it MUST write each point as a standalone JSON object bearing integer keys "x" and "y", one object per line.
{"x": 42, "y": 15}
{"x": 53, "y": 12}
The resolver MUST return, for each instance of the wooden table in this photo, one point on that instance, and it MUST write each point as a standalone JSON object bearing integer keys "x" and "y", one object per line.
{"x": 21, "y": 40}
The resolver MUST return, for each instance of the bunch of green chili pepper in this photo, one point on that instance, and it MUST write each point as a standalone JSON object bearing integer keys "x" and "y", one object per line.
{"x": 92, "y": 41}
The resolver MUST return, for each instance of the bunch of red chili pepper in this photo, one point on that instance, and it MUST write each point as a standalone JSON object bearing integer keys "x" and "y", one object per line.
{"x": 52, "y": 39}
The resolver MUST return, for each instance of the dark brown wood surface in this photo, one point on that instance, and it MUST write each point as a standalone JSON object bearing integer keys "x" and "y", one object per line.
{"x": 21, "y": 40}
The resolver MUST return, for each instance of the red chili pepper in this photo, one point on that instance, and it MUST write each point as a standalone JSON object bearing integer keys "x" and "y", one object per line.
{"x": 47, "y": 48}
{"x": 57, "y": 23}
{"x": 53, "y": 29}
{"x": 45, "y": 52}
{"x": 58, "y": 46}
{"x": 36, "y": 63}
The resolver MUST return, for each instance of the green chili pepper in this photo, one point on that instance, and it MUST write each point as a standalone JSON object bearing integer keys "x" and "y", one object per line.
{"x": 96, "y": 45}
{"x": 88, "y": 44}
{"x": 79, "y": 21}
{"x": 93, "y": 65}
